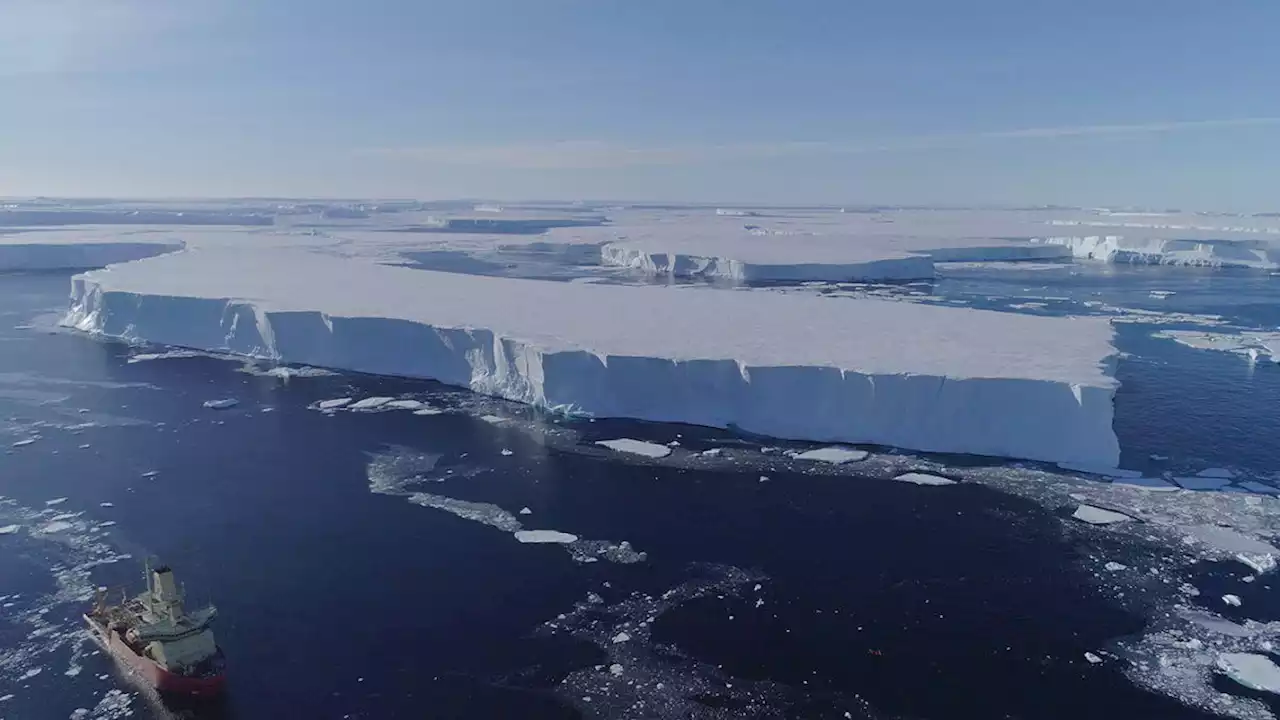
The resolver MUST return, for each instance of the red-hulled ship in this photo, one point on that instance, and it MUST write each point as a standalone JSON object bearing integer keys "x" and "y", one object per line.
{"x": 156, "y": 638}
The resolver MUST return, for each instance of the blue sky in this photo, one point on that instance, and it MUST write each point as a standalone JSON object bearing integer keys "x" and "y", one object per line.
{"x": 1158, "y": 103}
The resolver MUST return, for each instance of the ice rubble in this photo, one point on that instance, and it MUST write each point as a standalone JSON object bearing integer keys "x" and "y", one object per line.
{"x": 886, "y": 373}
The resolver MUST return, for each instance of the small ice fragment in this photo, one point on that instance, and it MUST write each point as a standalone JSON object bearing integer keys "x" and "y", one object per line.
{"x": 1232, "y": 600}
{"x": 1099, "y": 516}
{"x": 674, "y": 443}
{"x": 106, "y": 504}
{"x": 594, "y": 599}
{"x": 56, "y": 526}
{"x": 1158, "y": 458}
{"x": 506, "y": 452}
{"x": 369, "y": 403}
{"x": 525, "y": 511}
{"x": 764, "y": 478}
{"x": 492, "y": 419}
{"x": 713, "y": 452}
{"x": 636, "y": 447}
{"x": 150, "y": 473}
{"x": 1256, "y": 672}
{"x": 1115, "y": 567}
{"x": 9, "y": 529}
{"x": 621, "y": 638}
{"x": 30, "y": 674}
{"x": 1216, "y": 473}
{"x": 545, "y": 536}
{"x": 924, "y": 479}
{"x": 85, "y": 446}
{"x": 615, "y": 669}
{"x": 428, "y": 411}
{"x": 334, "y": 403}
{"x": 834, "y": 455}
{"x": 221, "y": 404}
{"x": 24, "y": 443}
{"x": 6, "y": 698}
{"x": 1162, "y": 294}
{"x": 55, "y": 501}
{"x": 1093, "y": 659}
{"x": 1248, "y": 578}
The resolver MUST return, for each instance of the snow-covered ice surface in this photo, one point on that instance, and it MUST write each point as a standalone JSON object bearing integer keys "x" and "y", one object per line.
{"x": 780, "y": 365}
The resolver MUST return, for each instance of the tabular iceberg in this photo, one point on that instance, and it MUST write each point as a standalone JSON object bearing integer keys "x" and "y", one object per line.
{"x": 861, "y": 371}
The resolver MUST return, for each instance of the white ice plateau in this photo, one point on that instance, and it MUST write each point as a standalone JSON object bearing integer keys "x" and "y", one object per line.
{"x": 796, "y": 366}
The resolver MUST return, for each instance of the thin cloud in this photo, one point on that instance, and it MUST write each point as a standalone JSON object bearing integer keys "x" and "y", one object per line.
{"x": 56, "y": 36}
{"x": 597, "y": 154}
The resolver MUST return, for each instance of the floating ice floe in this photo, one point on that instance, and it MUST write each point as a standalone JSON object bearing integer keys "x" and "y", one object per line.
{"x": 9, "y": 529}
{"x": 493, "y": 419}
{"x": 1258, "y": 555}
{"x": 221, "y": 404}
{"x": 55, "y": 501}
{"x": 506, "y": 453}
{"x": 397, "y": 472}
{"x": 1252, "y": 345}
{"x": 1115, "y": 566}
{"x": 1232, "y": 600}
{"x": 1256, "y": 672}
{"x": 1114, "y": 473}
{"x": 171, "y": 355}
{"x": 26, "y": 442}
{"x": 636, "y": 447}
{"x": 106, "y": 504}
{"x": 834, "y": 455}
{"x": 1099, "y": 516}
{"x": 545, "y": 536}
{"x": 1202, "y": 483}
{"x": 370, "y": 403}
{"x": 920, "y": 478}
{"x": 334, "y": 403}
{"x": 1092, "y": 658}
{"x": 713, "y": 452}
{"x": 1147, "y": 483}
{"x": 405, "y": 405}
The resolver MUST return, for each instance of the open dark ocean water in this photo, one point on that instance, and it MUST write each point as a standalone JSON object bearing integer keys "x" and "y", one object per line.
{"x": 365, "y": 564}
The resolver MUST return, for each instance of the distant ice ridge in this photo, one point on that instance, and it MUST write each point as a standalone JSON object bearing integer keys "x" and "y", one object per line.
{"x": 1259, "y": 254}
{"x": 17, "y": 256}
{"x": 790, "y": 366}
{"x": 751, "y": 256}
{"x": 726, "y": 265}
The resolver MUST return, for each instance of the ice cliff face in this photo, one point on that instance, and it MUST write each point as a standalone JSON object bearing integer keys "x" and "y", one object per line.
{"x": 1257, "y": 254}
{"x": 1049, "y": 418}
